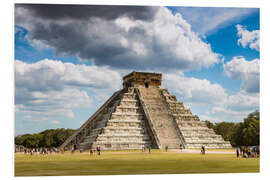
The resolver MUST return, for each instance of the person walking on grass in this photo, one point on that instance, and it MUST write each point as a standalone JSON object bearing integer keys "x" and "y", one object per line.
{"x": 143, "y": 149}
{"x": 73, "y": 149}
{"x": 237, "y": 152}
{"x": 166, "y": 148}
{"x": 98, "y": 150}
{"x": 203, "y": 149}
{"x": 91, "y": 151}
{"x": 149, "y": 149}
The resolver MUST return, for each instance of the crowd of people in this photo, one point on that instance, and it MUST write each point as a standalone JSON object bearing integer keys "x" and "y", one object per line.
{"x": 248, "y": 151}
{"x": 242, "y": 151}
{"x": 33, "y": 151}
{"x": 44, "y": 151}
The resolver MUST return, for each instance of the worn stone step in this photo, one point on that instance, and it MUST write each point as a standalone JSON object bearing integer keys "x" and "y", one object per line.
{"x": 195, "y": 128}
{"x": 121, "y": 142}
{"x": 135, "y": 116}
{"x": 126, "y": 120}
{"x": 191, "y": 123}
{"x": 132, "y": 96}
{"x": 180, "y": 112}
{"x": 126, "y": 124}
{"x": 208, "y": 146}
{"x": 129, "y": 103}
{"x": 125, "y": 109}
{"x": 122, "y": 138}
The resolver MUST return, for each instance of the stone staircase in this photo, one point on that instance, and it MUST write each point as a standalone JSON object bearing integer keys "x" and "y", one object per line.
{"x": 163, "y": 124}
{"x": 194, "y": 131}
{"x": 123, "y": 127}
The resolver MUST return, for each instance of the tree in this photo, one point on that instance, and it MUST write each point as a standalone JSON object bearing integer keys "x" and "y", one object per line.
{"x": 47, "y": 138}
{"x": 245, "y": 133}
{"x": 209, "y": 124}
{"x": 251, "y": 129}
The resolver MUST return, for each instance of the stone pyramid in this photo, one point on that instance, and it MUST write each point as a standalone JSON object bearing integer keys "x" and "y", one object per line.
{"x": 141, "y": 114}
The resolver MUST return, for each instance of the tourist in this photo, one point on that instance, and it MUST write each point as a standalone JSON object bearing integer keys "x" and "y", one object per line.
{"x": 245, "y": 155}
{"x": 149, "y": 149}
{"x": 73, "y": 149}
{"x": 248, "y": 151}
{"x": 98, "y": 150}
{"x": 181, "y": 147}
{"x": 244, "y": 151}
{"x": 166, "y": 148}
{"x": 237, "y": 152}
{"x": 143, "y": 149}
{"x": 91, "y": 151}
{"x": 203, "y": 149}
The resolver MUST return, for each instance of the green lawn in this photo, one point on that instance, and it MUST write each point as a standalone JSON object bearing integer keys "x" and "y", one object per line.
{"x": 132, "y": 162}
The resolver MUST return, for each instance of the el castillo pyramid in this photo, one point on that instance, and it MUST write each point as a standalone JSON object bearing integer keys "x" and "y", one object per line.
{"x": 141, "y": 114}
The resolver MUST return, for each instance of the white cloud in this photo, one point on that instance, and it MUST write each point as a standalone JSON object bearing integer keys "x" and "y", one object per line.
{"x": 55, "y": 75}
{"x": 243, "y": 101}
{"x": 166, "y": 41}
{"x": 236, "y": 107}
{"x": 203, "y": 95}
{"x": 247, "y": 71}
{"x": 55, "y": 122}
{"x": 195, "y": 90}
{"x": 248, "y": 38}
{"x": 53, "y": 89}
{"x": 206, "y": 20}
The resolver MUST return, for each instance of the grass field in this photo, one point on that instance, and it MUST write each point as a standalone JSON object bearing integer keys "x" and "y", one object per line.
{"x": 131, "y": 162}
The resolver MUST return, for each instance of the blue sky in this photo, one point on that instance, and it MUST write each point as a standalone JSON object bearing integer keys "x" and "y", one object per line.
{"x": 67, "y": 63}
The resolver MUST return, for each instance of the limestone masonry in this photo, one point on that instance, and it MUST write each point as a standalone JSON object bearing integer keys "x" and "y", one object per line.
{"x": 141, "y": 114}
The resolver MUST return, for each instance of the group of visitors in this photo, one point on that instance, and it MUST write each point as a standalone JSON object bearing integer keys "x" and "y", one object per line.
{"x": 248, "y": 151}
{"x": 98, "y": 150}
{"x": 148, "y": 147}
{"x": 42, "y": 150}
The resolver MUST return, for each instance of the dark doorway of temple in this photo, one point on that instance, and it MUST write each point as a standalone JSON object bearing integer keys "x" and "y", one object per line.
{"x": 146, "y": 84}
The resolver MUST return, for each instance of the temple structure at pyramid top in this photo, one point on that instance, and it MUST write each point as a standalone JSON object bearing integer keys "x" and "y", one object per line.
{"x": 144, "y": 114}
{"x": 142, "y": 79}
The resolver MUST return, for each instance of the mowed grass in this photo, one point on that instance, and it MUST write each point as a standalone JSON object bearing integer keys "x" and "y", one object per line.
{"x": 117, "y": 163}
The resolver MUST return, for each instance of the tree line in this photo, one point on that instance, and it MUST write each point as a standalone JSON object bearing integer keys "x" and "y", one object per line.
{"x": 48, "y": 138}
{"x": 245, "y": 133}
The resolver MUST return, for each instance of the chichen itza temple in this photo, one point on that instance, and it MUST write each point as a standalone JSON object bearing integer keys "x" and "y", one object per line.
{"x": 141, "y": 114}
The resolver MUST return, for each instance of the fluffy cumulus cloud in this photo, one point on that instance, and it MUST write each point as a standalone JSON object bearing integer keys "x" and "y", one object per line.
{"x": 248, "y": 38}
{"x": 236, "y": 107}
{"x": 118, "y": 36}
{"x": 247, "y": 71}
{"x": 201, "y": 93}
{"x": 195, "y": 90}
{"x": 52, "y": 88}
